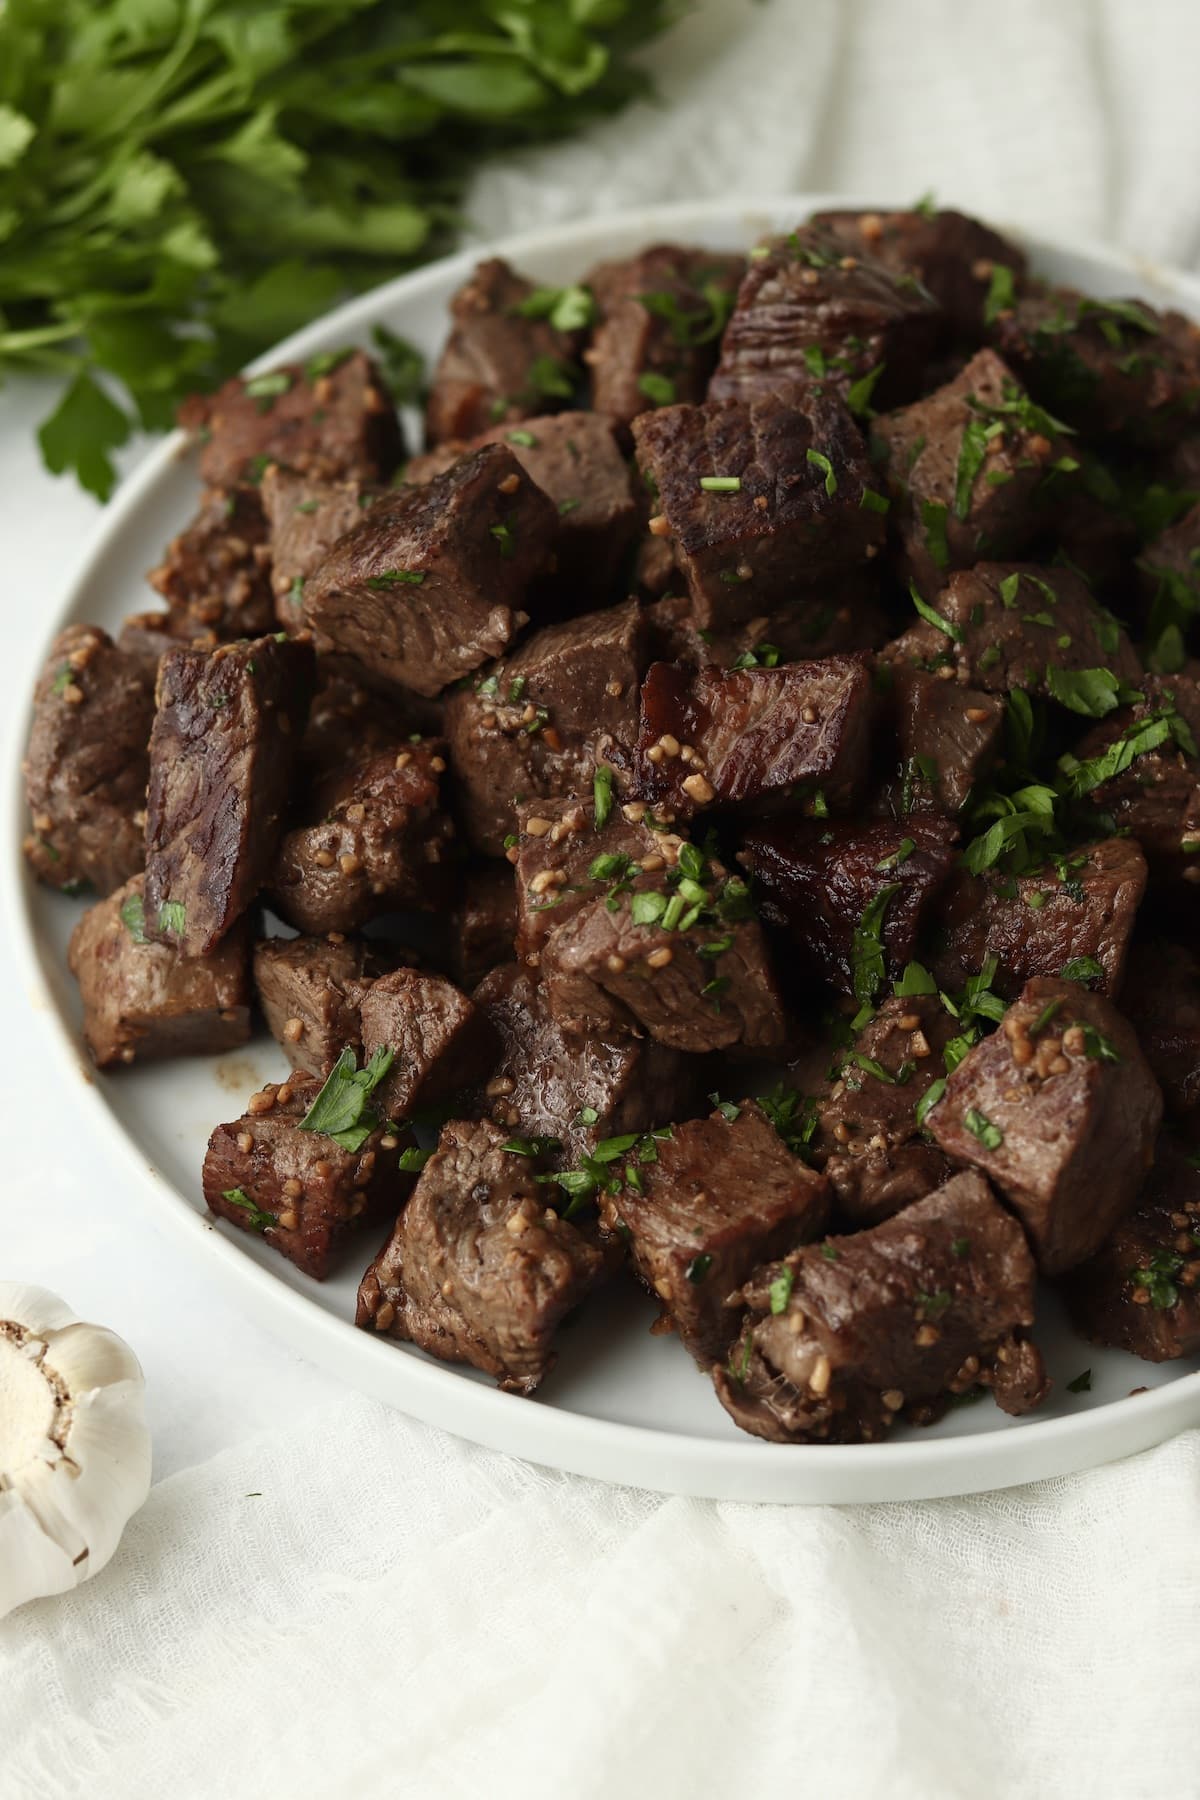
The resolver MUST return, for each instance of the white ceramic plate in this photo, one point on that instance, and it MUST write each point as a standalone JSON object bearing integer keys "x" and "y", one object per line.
{"x": 621, "y": 1405}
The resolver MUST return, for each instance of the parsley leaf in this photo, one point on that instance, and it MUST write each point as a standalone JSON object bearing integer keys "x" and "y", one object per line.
{"x": 340, "y": 1110}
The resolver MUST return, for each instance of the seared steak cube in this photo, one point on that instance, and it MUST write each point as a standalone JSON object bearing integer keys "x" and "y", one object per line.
{"x": 661, "y": 317}
{"x": 959, "y": 260}
{"x": 1017, "y": 625}
{"x": 146, "y": 637}
{"x": 808, "y": 315}
{"x": 378, "y": 842}
{"x": 868, "y": 1137}
{"x": 348, "y": 721}
{"x": 1161, "y": 999}
{"x": 439, "y": 1040}
{"x": 301, "y": 1189}
{"x": 948, "y": 737}
{"x": 216, "y": 575}
{"x": 310, "y": 990}
{"x": 305, "y": 518}
{"x": 575, "y": 459}
{"x": 1149, "y": 753}
{"x": 972, "y": 471}
{"x": 222, "y": 755}
{"x": 842, "y": 617}
{"x": 575, "y": 1090}
{"x": 1079, "y": 910}
{"x": 1059, "y": 1107}
{"x": 844, "y": 1335}
{"x": 1112, "y": 368}
{"x": 764, "y": 501}
{"x": 563, "y": 859}
{"x": 716, "y": 1197}
{"x": 86, "y": 765}
{"x": 540, "y": 722}
{"x": 723, "y": 737}
{"x": 429, "y": 583}
{"x": 331, "y": 418}
{"x": 484, "y": 922}
{"x": 478, "y": 1268}
{"x": 500, "y": 362}
{"x": 1140, "y": 1291}
{"x": 143, "y": 1000}
{"x": 853, "y": 897}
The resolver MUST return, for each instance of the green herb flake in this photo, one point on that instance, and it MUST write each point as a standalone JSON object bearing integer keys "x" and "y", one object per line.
{"x": 981, "y": 1127}
{"x": 933, "y": 521}
{"x": 1083, "y": 969}
{"x": 602, "y": 796}
{"x": 698, "y": 1268}
{"x": 172, "y": 917}
{"x": 721, "y": 484}
{"x": 525, "y": 439}
{"x": 133, "y": 917}
{"x": 340, "y": 1109}
{"x": 412, "y": 1160}
{"x": 929, "y": 1099}
{"x": 504, "y": 536}
{"x": 1082, "y": 1383}
{"x": 931, "y": 615}
{"x": 829, "y": 1252}
{"x": 390, "y": 578}
{"x": 256, "y": 1218}
{"x": 63, "y": 680}
{"x": 658, "y": 389}
{"x": 820, "y": 461}
{"x": 873, "y": 502}
{"x": 780, "y": 1291}
{"x": 866, "y": 953}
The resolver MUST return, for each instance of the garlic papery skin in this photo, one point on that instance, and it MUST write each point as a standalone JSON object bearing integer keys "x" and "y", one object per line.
{"x": 74, "y": 1445}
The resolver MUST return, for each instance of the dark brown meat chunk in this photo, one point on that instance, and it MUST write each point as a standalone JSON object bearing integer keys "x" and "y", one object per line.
{"x": 562, "y": 860}
{"x": 484, "y": 922}
{"x": 478, "y": 1269}
{"x": 867, "y": 1139}
{"x": 440, "y": 1041}
{"x": 661, "y": 317}
{"x": 576, "y": 1090}
{"x": 310, "y": 990}
{"x": 498, "y": 364}
{"x": 1079, "y": 913}
{"x": 851, "y": 897}
{"x": 724, "y": 737}
{"x": 1059, "y": 1107}
{"x": 1017, "y": 625}
{"x": 86, "y": 764}
{"x": 378, "y": 842}
{"x": 844, "y": 1335}
{"x": 429, "y": 583}
{"x": 805, "y": 320}
{"x": 1161, "y": 998}
{"x": 972, "y": 471}
{"x": 948, "y": 737}
{"x": 222, "y": 756}
{"x": 348, "y": 721}
{"x": 797, "y": 518}
{"x": 836, "y": 620}
{"x": 300, "y": 1189}
{"x": 575, "y": 459}
{"x": 951, "y": 254}
{"x": 1112, "y": 368}
{"x": 1154, "y": 791}
{"x": 1140, "y": 1291}
{"x": 538, "y": 723}
{"x": 305, "y": 519}
{"x": 142, "y": 1001}
{"x": 720, "y": 1196}
{"x": 146, "y": 637}
{"x": 331, "y": 418}
{"x": 216, "y": 575}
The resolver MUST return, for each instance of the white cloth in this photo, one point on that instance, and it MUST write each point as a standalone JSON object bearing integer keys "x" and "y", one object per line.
{"x": 322, "y": 1599}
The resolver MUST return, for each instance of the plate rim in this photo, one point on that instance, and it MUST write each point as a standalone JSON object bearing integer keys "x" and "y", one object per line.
{"x": 439, "y": 1394}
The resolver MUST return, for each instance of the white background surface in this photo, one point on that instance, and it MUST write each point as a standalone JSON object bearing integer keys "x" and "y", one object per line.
{"x": 396, "y": 1614}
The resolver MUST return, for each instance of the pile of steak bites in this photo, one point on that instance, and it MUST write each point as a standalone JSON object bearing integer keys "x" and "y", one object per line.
{"x": 725, "y": 815}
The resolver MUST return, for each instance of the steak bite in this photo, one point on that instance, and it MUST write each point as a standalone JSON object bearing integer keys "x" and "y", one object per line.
{"x": 1148, "y": 751}
{"x": 852, "y": 898}
{"x": 305, "y": 519}
{"x": 1018, "y": 625}
{"x": 440, "y": 1042}
{"x": 478, "y": 1268}
{"x": 347, "y": 721}
{"x": 564, "y": 856}
{"x": 836, "y": 620}
{"x": 429, "y": 583}
{"x": 147, "y": 636}
{"x": 971, "y": 469}
{"x": 1111, "y": 368}
{"x": 301, "y": 1189}
{"x": 310, "y": 990}
{"x": 715, "y": 1198}
{"x": 576, "y": 1090}
{"x": 661, "y": 317}
{"x": 142, "y": 1001}
{"x": 484, "y": 922}
{"x": 1161, "y": 999}
{"x": 1139, "y": 1291}
{"x": 868, "y": 1137}
{"x": 503, "y": 360}
{"x": 842, "y": 1336}
{"x": 764, "y": 501}
{"x": 378, "y": 842}
{"x": 948, "y": 736}
{"x": 1078, "y": 911}
{"x": 961, "y": 261}
{"x": 724, "y": 737}
{"x": 809, "y": 316}
{"x": 1059, "y": 1107}
{"x": 539, "y": 723}
{"x": 222, "y": 756}
{"x": 331, "y": 418}
{"x": 216, "y": 575}
{"x": 86, "y": 764}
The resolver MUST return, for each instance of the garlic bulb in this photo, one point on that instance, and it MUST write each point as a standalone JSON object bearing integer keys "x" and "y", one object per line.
{"x": 74, "y": 1445}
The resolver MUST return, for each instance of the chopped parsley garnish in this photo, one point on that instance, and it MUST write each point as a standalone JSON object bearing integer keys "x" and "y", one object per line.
{"x": 981, "y": 1127}
{"x": 340, "y": 1110}
{"x": 1098, "y": 1047}
{"x": 133, "y": 917}
{"x": 699, "y": 1267}
{"x": 794, "y": 1117}
{"x": 390, "y": 578}
{"x": 1001, "y": 294}
{"x": 567, "y": 308}
{"x": 1158, "y": 1278}
{"x": 932, "y": 1306}
{"x": 1138, "y": 738}
{"x": 256, "y": 1218}
{"x": 659, "y": 389}
{"x": 602, "y": 796}
{"x": 324, "y": 363}
{"x": 1092, "y": 692}
{"x": 972, "y": 454}
{"x": 1082, "y": 1383}
{"x": 505, "y": 537}
{"x": 820, "y": 461}
{"x": 525, "y": 439}
{"x": 780, "y": 1291}
{"x": 172, "y": 917}
{"x": 929, "y": 1099}
{"x": 866, "y": 952}
{"x": 266, "y": 389}
{"x": 721, "y": 484}
{"x": 858, "y": 394}
{"x": 412, "y": 1160}
{"x": 530, "y": 1146}
{"x": 900, "y": 854}
{"x": 915, "y": 980}
{"x": 933, "y": 617}
{"x": 873, "y": 502}
{"x": 763, "y": 656}
{"x": 933, "y": 519}
{"x": 829, "y": 1251}
{"x": 1083, "y": 969}
{"x": 1044, "y": 1017}
{"x": 63, "y": 680}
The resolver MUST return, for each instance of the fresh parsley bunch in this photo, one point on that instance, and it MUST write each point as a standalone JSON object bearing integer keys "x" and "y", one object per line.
{"x": 183, "y": 182}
